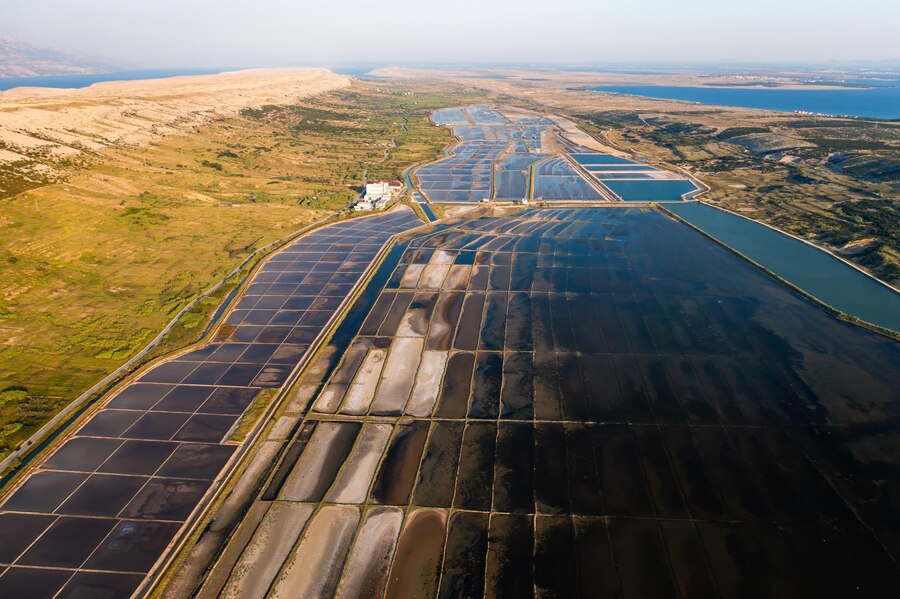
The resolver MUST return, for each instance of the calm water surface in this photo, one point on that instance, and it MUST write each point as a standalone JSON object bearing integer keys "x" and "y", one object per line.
{"x": 816, "y": 272}
{"x": 650, "y": 190}
{"x": 882, "y": 101}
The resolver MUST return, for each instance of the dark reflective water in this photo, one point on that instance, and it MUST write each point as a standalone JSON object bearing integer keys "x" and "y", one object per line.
{"x": 816, "y": 272}
{"x": 620, "y": 395}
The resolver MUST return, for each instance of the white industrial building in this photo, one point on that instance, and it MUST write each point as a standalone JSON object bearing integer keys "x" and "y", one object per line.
{"x": 383, "y": 188}
{"x": 378, "y": 195}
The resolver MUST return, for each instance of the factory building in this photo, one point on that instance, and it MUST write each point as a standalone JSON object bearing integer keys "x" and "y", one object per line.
{"x": 378, "y": 195}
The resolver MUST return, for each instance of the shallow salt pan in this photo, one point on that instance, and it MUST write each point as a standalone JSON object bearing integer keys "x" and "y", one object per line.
{"x": 440, "y": 330}
{"x": 303, "y": 481}
{"x": 428, "y": 383}
{"x": 270, "y": 545}
{"x": 443, "y": 257}
{"x": 366, "y": 572}
{"x": 417, "y": 562}
{"x": 413, "y": 324}
{"x": 361, "y": 392}
{"x": 411, "y": 276}
{"x": 315, "y": 566}
{"x": 398, "y": 376}
{"x": 443, "y": 320}
{"x": 356, "y": 476}
{"x": 433, "y": 276}
{"x": 458, "y": 277}
{"x": 330, "y": 398}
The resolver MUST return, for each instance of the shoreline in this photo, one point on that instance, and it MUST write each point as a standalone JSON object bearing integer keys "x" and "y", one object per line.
{"x": 85, "y": 80}
{"x": 38, "y": 92}
{"x": 646, "y": 91}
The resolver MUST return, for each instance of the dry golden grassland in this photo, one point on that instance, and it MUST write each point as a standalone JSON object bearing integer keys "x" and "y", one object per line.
{"x": 94, "y": 266}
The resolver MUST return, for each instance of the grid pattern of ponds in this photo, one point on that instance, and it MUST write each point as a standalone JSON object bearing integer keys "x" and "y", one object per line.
{"x": 464, "y": 176}
{"x": 588, "y": 403}
{"x": 556, "y": 179}
{"x": 635, "y": 182}
{"x": 512, "y": 176}
{"x": 101, "y": 510}
{"x": 481, "y": 165}
{"x": 484, "y": 114}
{"x": 449, "y": 116}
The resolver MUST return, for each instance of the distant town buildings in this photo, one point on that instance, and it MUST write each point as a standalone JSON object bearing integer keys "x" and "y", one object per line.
{"x": 378, "y": 195}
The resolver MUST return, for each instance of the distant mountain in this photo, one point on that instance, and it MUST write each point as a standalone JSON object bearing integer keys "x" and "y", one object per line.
{"x": 21, "y": 59}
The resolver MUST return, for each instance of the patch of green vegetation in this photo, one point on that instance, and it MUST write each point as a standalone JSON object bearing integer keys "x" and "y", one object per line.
{"x": 738, "y": 131}
{"x": 326, "y": 200}
{"x": 139, "y": 216}
{"x": 880, "y": 218}
{"x": 14, "y": 394}
{"x": 213, "y": 165}
{"x": 18, "y": 177}
{"x": 276, "y": 112}
{"x": 616, "y": 119}
{"x": 795, "y": 175}
{"x": 21, "y": 414}
{"x": 824, "y": 122}
{"x": 252, "y": 415}
{"x": 845, "y": 145}
{"x": 305, "y": 119}
{"x": 867, "y": 167}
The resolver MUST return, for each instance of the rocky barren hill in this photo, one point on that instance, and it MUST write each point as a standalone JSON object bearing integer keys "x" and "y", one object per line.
{"x": 45, "y": 130}
{"x": 21, "y": 59}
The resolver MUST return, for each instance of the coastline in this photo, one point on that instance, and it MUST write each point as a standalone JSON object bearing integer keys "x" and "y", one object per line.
{"x": 871, "y": 103}
{"x": 84, "y": 80}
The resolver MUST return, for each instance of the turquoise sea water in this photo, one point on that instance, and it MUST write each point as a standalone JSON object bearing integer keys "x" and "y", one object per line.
{"x": 881, "y": 101}
{"x": 818, "y": 273}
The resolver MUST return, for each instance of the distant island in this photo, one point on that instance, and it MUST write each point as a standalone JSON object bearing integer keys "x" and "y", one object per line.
{"x": 21, "y": 59}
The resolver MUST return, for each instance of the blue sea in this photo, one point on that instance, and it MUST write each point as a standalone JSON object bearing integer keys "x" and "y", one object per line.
{"x": 76, "y": 81}
{"x": 359, "y": 71}
{"x": 881, "y": 101}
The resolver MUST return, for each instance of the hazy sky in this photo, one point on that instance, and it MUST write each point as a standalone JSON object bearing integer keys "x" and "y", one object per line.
{"x": 174, "y": 33}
